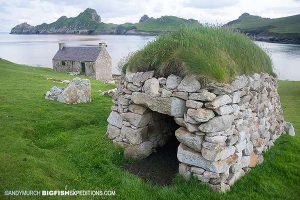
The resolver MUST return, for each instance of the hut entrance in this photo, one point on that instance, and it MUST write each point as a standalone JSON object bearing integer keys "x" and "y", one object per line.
{"x": 162, "y": 165}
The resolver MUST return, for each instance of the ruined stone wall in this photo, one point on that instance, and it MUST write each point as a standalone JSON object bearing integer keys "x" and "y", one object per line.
{"x": 224, "y": 128}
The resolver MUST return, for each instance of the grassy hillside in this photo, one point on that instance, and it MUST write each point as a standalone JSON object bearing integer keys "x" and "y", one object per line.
{"x": 285, "y": 27}
{"x": 160, "y": 25}
{"x": 89, "y": 19}
{"x": 89, "y": 22}
{"x": 216, "y": 54}
{"x": 164, "y": 24}
{"x": 46, "y": 145}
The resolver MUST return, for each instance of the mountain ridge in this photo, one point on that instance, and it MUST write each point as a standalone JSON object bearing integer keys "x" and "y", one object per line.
{"x": 89, "y": 22}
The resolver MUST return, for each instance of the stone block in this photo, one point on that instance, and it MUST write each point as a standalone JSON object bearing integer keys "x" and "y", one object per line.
{"x": 249, "y": 149}
{"x": 115, "y": 119}
{"x": 151, "y": 87}
{"x": 245, "y": 161}
{"x": 236, "y": 97}
{"x": 184, "y": 171}
{"x": 137, "y": 109}
{"x": 219, "y": 101}
{"x": 253, "y": 160}
{"x": 173, "y": 81}
{"x": 201, "y": 114}
{"x": 194, "y": 104}
{"x": 140, "y": 77}
{"x": 172, "y": 106}
{"x": 180, "y": 121}
{"x": 191, "y": 157}
{"x": 202, "y": 95}
{"x": 113, "y": 132}
{"x": 217, "y": 124}
{"x": 239, "y": 83}
{"x": 191, "y": 140}
{"x": 135, "y": 136}
{"x": 133, "y": 88}
{"x": 189, "y": 84}
{"x": 137, "y": 120}
{"x": 216, "y": 139}
{"x": 240, "y": 146}
{"x": 166, "y": 93}
{"x": 224, "y": 110}
{"x": 181, "y": 95}
{"x": 220, "y": 153}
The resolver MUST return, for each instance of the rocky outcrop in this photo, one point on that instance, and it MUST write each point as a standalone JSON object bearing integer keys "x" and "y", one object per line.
{"x": 24, "y": 28}
{"x": 224, "y": 128}
{"x": 144, "y": 18}
{"x": 85, "y": 23}
{"x": 78, "y": 91}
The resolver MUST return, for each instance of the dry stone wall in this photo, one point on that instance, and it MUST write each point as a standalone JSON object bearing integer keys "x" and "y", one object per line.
{"x": 223, "y": 128}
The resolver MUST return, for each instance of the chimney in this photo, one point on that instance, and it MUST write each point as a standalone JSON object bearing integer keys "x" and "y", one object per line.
{"x": 102, "y": 44}
{"x": 61, "y": 45}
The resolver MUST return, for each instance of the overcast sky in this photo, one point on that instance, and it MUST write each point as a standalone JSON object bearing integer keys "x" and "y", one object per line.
{"x": 13, "y": 12}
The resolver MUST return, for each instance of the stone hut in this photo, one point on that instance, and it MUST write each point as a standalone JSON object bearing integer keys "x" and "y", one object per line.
{"x": 223, "y": 128}
{"x": 93, "y": 61}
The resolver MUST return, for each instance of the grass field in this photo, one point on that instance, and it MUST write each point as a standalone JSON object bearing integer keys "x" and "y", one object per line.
{"x": 45, "y": 145}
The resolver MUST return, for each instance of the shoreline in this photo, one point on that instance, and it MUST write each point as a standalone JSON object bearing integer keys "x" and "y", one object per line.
{"x": 114, "y": 74}
{"x": 99, "y": 33}
{"x": 253, "y": 38}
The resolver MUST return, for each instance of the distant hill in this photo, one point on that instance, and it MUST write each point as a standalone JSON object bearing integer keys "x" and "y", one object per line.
{"x": 285, "y": 29}
{"x": 164, "y": 23}
{"x": 89, "y": 22}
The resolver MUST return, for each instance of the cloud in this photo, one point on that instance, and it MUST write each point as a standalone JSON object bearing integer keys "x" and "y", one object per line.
{"x": 210, "y": 4}
{"x": 35, "y": 12}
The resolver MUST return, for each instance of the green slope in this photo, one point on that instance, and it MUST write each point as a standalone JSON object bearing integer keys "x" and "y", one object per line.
{"x": 87, "y": 20}
{"x": 285, "y": 27}
{"x": 165, "y": 24}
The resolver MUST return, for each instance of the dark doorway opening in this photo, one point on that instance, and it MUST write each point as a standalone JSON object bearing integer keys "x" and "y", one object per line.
{"x": 162, "y": 165}
{"x": 83, "y": 68}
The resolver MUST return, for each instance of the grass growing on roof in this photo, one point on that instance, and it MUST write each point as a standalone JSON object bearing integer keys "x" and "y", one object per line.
{"x": 214, "y": 53}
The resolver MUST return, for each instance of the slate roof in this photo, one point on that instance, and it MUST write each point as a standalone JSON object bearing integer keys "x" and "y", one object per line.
{"x": 78, "y": 53}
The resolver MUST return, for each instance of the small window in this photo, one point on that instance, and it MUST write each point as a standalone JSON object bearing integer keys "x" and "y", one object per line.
{"x": 63, "y": 63}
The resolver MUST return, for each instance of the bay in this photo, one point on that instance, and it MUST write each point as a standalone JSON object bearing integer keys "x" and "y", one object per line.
{"x": 38, "y": 50}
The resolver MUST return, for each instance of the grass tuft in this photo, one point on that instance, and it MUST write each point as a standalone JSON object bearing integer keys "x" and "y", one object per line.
{"x": 213, "y": 53}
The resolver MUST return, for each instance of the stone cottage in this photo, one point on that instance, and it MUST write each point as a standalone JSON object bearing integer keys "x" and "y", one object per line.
{"x": 223, "y": 129}
{"x": 93, "y": 61}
